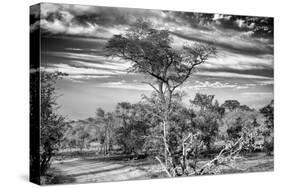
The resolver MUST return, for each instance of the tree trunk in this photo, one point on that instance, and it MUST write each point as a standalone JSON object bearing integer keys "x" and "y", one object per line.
{"x": 166, "y": 102}
{"x": 165, "y": 121}
{"x": 165, "y": 144}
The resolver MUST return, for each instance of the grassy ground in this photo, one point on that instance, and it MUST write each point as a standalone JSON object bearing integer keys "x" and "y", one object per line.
{"x": 101, "y": 170}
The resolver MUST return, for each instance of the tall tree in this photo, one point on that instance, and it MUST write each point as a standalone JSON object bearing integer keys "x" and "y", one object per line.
{"x": 151, "y": 53}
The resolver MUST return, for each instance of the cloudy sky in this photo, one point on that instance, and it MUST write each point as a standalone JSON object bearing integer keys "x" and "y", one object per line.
{"x": 74, "y": 36}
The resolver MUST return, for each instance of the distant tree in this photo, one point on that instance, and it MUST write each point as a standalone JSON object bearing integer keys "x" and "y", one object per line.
{"x": 150, "y": 52}
{"x": 52, "y": 124}
{"x": 72, "y": 143}
{"x": 100, "y": 113}
{"x": 207, "y": 118}
{"x": 255, "y": 123}
{"x": 82, "y": 138}
{"x": 105, "y": 122}
{"x": 245, "y": 108}
{"x": 203, "y": 101}
{"x": 111, "y": 128}
{"x": 131, "y": 134}
{"x": 90, "y": 119}
{"x": 268, "y": 132}
{"x": 231, "y": 105}
{"x": 268, "y": 112}
{"x": 66, "y": 140}
{"x": 235, "y": 131}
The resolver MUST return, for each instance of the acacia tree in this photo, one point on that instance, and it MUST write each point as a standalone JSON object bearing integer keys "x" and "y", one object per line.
{"x": 150, "y": 51}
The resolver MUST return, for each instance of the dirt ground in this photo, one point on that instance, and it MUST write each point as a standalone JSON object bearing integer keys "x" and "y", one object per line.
{"x": 98, "y": 170}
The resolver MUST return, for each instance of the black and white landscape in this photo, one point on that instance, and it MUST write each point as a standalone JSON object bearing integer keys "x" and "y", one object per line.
{"x": 130, "y": 94}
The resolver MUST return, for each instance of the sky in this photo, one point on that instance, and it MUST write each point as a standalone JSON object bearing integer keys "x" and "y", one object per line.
{"x": 73, "y": 38}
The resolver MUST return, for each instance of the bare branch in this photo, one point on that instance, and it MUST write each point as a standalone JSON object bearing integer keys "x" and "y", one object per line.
{"x": 150, "y": 84}
{"x": 164, "y": 167}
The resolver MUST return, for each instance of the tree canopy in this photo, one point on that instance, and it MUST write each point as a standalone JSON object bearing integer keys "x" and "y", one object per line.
{"x": 150, "y": 51}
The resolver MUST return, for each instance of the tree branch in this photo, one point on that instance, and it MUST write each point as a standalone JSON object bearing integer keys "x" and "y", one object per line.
{"x": 164, "y": 167}
{"x": 150, "y": 84}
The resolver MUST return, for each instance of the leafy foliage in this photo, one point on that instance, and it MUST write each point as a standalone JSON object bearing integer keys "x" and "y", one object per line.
{"x": 231, "y": 104}
{"x": 207, "y": 118}
{"x": 234, "y": 132}
{"x": 131, "y": 134}
{"x": 52, "y": 124}
{"x": 268, "y": 132}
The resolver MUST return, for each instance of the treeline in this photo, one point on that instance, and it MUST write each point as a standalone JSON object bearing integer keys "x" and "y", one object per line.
{"x": 136, "y": 128}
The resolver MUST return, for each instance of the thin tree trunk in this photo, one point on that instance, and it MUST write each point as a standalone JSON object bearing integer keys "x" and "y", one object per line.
{"x": 183, "y": 159}
{"x": 165, "y": 144}
{"x": 166, "y": 103}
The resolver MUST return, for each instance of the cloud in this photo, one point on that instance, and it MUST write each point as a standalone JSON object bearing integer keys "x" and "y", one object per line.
{"x": 236, "y": 61}
{"x": 232, "y": 41}
{"x": 230, "y": 75}
{"x": 80, "y": 78}
{"x": 224, "y": 33}
{"x": 91, "y": 60}
{"x": 74, "y": 49}
{"x": 259, "y": 65}
{"x": 65, "y": 20}
{"x": 74, "y": 55}
{"x": 266, "y": 82}
{"x": 89, "y": 21}
{"x": 257, "y": 94}
{"x": 125, "y": 85}
{"x": 109, "y": 18}
{"x": 82, "y": 66}
{"x": 65, "y": 68}
{"x": 232, "y": 33}
{"x": 105, "y": 65}
{"x": 67, "y": 28}
{"x": 199, "y": 85}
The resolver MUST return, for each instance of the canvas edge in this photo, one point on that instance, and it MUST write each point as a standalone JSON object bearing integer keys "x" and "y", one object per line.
{"x": 34, "y": 83}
